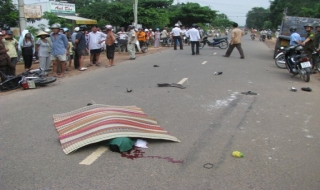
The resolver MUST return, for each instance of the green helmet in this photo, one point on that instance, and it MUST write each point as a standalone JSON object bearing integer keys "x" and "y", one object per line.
{"x": 308, "y": 24}
{"x": 317, "y": 25}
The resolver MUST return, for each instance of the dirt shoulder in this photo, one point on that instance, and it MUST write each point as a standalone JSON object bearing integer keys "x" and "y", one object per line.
{"x": 103, "y": 60}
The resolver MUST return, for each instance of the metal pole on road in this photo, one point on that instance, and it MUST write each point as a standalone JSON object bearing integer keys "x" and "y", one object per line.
{"x": 135, "y": 12}
{"x": 22, "y": 20}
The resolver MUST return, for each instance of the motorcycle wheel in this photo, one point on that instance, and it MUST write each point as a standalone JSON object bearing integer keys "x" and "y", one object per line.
{"x": 223, "y": 45}
{"x": 281, "y": 62}
{"x": 44, "y": 81}
{"x": 202, "y": 45}
{"x": 306, "y": 77}
{"x": 144, "y": 49}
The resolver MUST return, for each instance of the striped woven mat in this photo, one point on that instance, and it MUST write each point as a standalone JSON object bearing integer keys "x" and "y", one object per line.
{"x": 98, "y": 122}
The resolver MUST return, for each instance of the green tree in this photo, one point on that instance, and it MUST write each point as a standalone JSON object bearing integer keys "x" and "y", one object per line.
{"x": 190, "y": 13}
{"x": 257, "y": 16}
{"x": 52, "y": 19}
{"x": 222, "y": 20}
{"x": 9, "y": 13}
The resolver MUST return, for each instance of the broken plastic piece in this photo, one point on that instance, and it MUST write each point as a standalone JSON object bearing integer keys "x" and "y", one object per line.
{"x": 208, "y": 166}
{"x": 293, "y": 89}
{"x": 155, "y": 65}
{"x": 171, "y": 85}
{"x": 218, "y": 73}
{"x": 129, "y": 90}
{"x": 308, "y": 89}
{"x": 249, "y": 93}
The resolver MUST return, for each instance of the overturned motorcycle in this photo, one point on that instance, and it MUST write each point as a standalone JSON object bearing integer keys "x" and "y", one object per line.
{"x": 295, "y": 62}
{"x": 222, "y": 43}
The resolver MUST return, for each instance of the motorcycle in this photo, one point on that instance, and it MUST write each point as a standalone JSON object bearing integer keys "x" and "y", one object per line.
{"x": 263, "y": 38}
{"x": 316, "y": 60}
{"x": 253, "y": 36}
{"x": 143, "y": 47}
{"x": 296, "y": 63}
{"x": 269, "y": 36}
{"x": 280, "y": 58}
{"x": 27, "y": 79}
{"x": 217, "y": 35}
{"x": 120, "y": 47}
{"x": 222, "y": 43}
{"x": 186, "y": 40}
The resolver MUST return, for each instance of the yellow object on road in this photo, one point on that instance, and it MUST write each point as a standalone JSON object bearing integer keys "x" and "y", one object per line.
{"x": 237, "y": 154}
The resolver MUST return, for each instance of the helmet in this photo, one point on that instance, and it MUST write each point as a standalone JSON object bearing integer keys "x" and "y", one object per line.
{"x": 308, "y": 24}
{"x": 146, "y": 30}
{"x": 317, "y": 25}
{"x": 55, "y": 26}
{"x": 82, "y": 27}
{"x": 47, "y": 30}
{"x": 176, "y": 25}
{"x": 9, "y": 32}
{"x": 76, "y": 29}
{"x": 194, "y": 25}
{"x": 157, "y": 29}
{"x": 108, "y": 27}
{"x": 130, "y": 27}
{"x": 65, "y": 29}
{"x": 293, "y": 28}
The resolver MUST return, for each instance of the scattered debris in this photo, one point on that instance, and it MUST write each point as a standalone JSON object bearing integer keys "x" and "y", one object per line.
{"x": 141, "y": 143}
{"x": 155, "y": 65}
{"x": 308, "y": 89}
{"x": 293, "y": 89}
{"x": 208, "y": 166}
{"x": 218, "y": 73}
{"x": 237, "y": 154}
{"x": 171, "y": 85}
{"x": 249, "y": 93}
{"x": 129, "y": 90}
{"x": 89, "y": 104}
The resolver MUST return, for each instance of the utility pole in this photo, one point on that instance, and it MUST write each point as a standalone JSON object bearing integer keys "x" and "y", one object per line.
{"x": 135, "y": 12}
{"x": 22, "y": 19}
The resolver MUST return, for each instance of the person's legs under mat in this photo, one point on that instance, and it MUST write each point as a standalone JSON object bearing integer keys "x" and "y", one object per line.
{"x": 238, "y": 46}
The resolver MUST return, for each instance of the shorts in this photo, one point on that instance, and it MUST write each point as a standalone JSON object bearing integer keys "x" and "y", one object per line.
{"x": 110, "y": 51}
{"x": 94, "y": 51}
{"x": 58, "y": 57}
{"x": 82, "y": 52}
{"x": 71, "y": 57}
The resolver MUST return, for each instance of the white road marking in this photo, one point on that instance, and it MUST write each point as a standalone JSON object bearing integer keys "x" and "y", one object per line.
{"x": 204, "y": 62}
{"x": 94, "y": 156}
{"x": 183, "y": 80}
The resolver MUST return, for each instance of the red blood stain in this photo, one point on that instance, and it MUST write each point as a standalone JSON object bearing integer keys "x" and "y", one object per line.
{"x": 137, "y": 153}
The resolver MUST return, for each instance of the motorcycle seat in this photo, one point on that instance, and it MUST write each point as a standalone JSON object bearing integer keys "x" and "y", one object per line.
{"x": 218, "y": 39}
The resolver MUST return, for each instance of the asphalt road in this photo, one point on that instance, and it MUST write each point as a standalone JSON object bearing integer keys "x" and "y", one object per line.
{"x": 277, "y": 130}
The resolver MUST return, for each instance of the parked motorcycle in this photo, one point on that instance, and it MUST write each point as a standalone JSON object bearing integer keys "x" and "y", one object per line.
{"x": 143, "y": 46}
{"x": 222, "y": 43}
{"x": 269, "y": 36}
{"x": 263, "y": 38}
{"x": 280, "y": 58}
{"x": 295, "y": 62}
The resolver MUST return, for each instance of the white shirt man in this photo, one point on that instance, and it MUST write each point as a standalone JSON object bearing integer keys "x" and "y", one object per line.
{"x": 194, "y": 35}
{"x": 95, "y": 39}
{"x": 176, "y": 33}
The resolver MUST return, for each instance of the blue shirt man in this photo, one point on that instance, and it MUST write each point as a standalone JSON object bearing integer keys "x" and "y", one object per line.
{"x": 295, "y": 39}
{"x": 59, "y": 44}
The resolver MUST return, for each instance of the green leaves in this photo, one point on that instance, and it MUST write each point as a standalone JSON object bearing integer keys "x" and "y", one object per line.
{"x": 9, "y": 13}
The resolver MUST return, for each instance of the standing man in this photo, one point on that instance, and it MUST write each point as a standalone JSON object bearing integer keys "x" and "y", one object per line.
{"x": 95, "y": 38}
{"x": 81, "y": 46}
{"x": 11, "y": 44}
{"x": 308, "y": 43}
{"x": 132, "y": 39}
{"x": 110, "y": 45}
{"x": 194, "y": 36}
{"x": 59, "y": 49}
{"x": 176, "y": 33}
{"x": 5, "y": 65}
{"x": 236, "y": 35}
{"x": 73, "y": 40}
{"x": 295, "y": 38}
{"x": 164, "y": 35}
{"x": 123, "y": 37}
{"x": 317, "y": 47}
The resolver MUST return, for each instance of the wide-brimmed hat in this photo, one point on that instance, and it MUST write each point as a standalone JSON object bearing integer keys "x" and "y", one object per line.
{"x": 42, "y": 33}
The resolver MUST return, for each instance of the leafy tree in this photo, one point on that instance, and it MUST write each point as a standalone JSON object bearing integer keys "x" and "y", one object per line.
{"x": 190, "y": 13}
{"x": 222, "y": 21}
{"x": 257, "y": 16}
{"x": 52, "y": 19}
{"x": 9, "y": 13}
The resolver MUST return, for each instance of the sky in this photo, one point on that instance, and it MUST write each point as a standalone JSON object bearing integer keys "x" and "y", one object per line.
{"x": 236, "y": 10}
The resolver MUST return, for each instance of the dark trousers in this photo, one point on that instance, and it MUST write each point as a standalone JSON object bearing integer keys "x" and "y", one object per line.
{"x": 197, "y": 47}
{"x": 76, "y": 60}
{"x": 175, "y": 38}
{"x": 231, "y": 47}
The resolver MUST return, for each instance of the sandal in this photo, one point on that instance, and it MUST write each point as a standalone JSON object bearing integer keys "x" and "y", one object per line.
{"x": 83, "y": 69}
